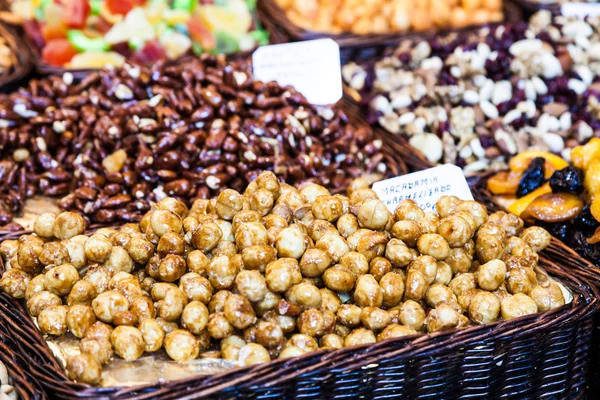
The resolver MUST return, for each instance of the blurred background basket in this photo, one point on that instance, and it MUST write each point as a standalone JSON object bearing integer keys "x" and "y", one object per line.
{"x": 20, "y": 58}
{"x": 352, "y": 47}
{"x": 538, "y": 356}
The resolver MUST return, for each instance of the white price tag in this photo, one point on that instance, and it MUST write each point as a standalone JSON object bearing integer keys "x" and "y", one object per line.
{"x": 580, "y": 10}
{"x": 312, "y": 67}
{"x": 424, "y": 187}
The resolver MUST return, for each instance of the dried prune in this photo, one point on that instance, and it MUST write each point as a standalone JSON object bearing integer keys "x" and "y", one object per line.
{"x": 589, "y": 251}
{"x": 569, "y": 179}
{"x": 585, "y": 221}
{"x": 560, "y": 230}
{"x": 533, "y": 177}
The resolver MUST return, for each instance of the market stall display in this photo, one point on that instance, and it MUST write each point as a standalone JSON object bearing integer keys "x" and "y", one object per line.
{"x": 277, "y": 272}
{"x": 120, "y": 139}
{"x": 171, "y": 227}
{"x": 83, "y": 35}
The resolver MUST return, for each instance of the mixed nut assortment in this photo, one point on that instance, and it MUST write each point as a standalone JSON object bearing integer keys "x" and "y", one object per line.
{"x": 274, "y": 272}
{"x": 380, "y": 16}
{"x": 476, "y": 99}
{"x": 120, "y": 139}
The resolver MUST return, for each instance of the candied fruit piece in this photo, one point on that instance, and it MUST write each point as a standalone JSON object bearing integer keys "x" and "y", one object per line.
{"x": 595, "y": 208}
{"x": 504, "y": 182}
{"x": 583, "y": 155}
{"x": 533, "y": 177}
{"x": 521, "y": 161}
{"x": 520, "y": 205}
{"x": 568, "y": 180}
{"x": 554, "y": 207}
{"x": 591, "y": 181}
{"x": 595, "y": 237}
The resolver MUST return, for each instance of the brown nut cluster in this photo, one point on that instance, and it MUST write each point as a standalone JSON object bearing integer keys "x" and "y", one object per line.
{"x": 309, "y": 270}
{"x": 120, "y": 139}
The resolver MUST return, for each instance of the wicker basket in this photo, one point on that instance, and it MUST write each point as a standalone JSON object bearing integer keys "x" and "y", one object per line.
{"x": 561, "y": 254}
{"x": 543, "y": 355}
{"x": 352, "y": 47}
{"x": 24, "y": 385}
{"x": 23, "y": 61}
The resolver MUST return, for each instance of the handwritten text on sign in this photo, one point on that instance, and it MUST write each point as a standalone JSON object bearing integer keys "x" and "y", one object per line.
{"x": 312, "y": 67}
{"x": 424, "y": 187}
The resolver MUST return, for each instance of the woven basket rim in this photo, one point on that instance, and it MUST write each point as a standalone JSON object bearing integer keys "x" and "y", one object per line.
{"x": 22, "y": 55}
{"x": 279, "y": 19}
{"x": 45, "y": 368}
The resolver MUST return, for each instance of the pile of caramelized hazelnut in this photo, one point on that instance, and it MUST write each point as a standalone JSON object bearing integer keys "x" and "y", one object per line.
{"x": 274, "y": 272}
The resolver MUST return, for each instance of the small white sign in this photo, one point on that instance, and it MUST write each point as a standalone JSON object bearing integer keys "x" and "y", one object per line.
{"x": 424, "y": 187}
{"x": 580, "y": 10}
{"x": 312, "y": 67}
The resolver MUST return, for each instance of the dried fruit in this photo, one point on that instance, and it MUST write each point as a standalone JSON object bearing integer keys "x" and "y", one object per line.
{"x": 504, "y": 182}
{"x": 595, "y": 208}
{"x": 569, "y": 180}
{"x": 592, "y": 177}
{"x": 521, "y": 161}
{"x": 595, "y": 238}
{"x": 583, "y": 155}
{"x": 520, "y": 205}
{"x": 588, "y": 250}
{"x": 533, "y": 177}
{"x": 554, "y": 207}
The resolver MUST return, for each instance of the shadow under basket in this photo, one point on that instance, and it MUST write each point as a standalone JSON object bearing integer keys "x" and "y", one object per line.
{"x": 560, "y": 254}
{"x": 544, "y": 355}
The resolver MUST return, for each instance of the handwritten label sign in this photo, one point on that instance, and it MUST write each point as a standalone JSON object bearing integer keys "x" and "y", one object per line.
{"x": 424, "y": 187}
{"x": 312, "y": 67}
{"x": 580, "y": 10}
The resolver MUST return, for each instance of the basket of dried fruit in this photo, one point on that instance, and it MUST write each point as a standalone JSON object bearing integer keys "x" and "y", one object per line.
{"x": 81, "y": 36}
{"x": 475, "y": 99}
{"x": 108, "y": 145}
{"x": 286, "y": 292}
{"x": 15, "y": 58}
{"x": 363, "y": 30}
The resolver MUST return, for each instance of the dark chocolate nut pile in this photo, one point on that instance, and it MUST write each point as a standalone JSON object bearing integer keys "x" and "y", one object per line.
{"x": 119, "y": 139}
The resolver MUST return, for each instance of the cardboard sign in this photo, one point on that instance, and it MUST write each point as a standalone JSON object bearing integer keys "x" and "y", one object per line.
{"x": 424, "y": 187}
{"x": 312, "y": 67}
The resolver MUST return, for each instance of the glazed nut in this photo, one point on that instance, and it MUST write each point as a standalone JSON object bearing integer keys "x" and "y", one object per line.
{"x": 66, "y": 225}
{"x": 327, "y": 208}
{"x": 491, "y": 275}
{"x": 128, "y": 342}
{"x": 79, "y": 318}
{"x": 108, "y": 304}
{"x": 84, "y": 368}
{"x": 52, "y": 320}
{"x": 484, "y": 308}
{"x": 517, "y": 306}
{"x": 61, "y": 279}
{"x": 536, "y": 237}
{"x": 373, "y": 214}
{"x": 252, "y": 354}
{"x": 359, "y": 336}
{"x": 433, "y": 245}
{"x": 44, "y": 225}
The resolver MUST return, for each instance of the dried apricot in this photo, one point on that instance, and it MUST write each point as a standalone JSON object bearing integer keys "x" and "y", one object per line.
{"x": 591, "y": 182}
{"x": 554, "y": 207}
{"x": 595, "y": 237}
{"x": 504, "y": 182}
{"x": 583, "y": 155}
{"x": 595, "y": 208}
{"x": 521, "y": 161}
{"x": 520, "y": 205}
